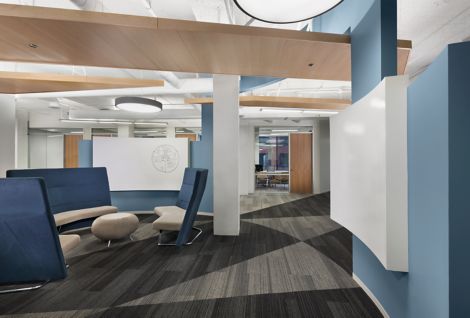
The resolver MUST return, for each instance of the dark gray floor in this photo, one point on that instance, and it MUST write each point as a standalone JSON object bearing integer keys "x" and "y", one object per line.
{"x": 290, "y": 260}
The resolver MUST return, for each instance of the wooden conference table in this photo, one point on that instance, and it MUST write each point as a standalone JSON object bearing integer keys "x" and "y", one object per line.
{"x": 271, "y": 178}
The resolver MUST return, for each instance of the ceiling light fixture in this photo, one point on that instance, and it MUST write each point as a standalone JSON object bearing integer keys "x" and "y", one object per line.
{"x": 138, "y": 104}
{"x": 282, "y": 11}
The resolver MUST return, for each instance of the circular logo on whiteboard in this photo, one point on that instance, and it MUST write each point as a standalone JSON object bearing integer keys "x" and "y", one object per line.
{"x": 165, "y": 158}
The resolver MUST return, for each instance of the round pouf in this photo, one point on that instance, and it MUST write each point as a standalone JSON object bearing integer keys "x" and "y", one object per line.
{"x": 114, "y": 226}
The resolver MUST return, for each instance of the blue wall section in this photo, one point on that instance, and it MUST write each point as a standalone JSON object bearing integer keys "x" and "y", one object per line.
{"x": 374, "y": 48}
{"x": 390, "y": 288}
{"x": 345, "y": 16}
{"x": 373, "y": 28}
{"x": 428, "y": 175}
{"x": 436, "y": 285}
{"x": 423, "y": 292}
{"x": 142, "y": 200}
{"x": 248, "y": 83}
{"x": 438, "y": 218}
{"x": 85, "y": 154}
{"x": 201, "y": 157}
{"x": 459, "y": 174}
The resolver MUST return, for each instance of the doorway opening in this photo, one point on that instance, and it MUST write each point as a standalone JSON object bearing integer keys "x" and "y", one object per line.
{"x": 284, "y": 160}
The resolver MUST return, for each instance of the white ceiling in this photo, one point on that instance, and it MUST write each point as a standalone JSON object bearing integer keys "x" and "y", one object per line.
{"x": 430, "y": 24}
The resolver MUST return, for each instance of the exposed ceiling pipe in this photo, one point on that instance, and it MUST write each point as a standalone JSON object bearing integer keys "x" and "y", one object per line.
{"x": 93, "y": 5}
{"x": 89, "y": 5}
{"x": 228, "y": 11}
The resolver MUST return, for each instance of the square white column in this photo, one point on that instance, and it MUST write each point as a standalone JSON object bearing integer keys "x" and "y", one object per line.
{"x": 226, "y": 155}
{"x": 7, "y": 134}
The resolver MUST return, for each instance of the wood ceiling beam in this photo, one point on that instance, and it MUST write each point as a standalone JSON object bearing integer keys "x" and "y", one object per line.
{"x": 282, "y": 102}
{"x": 75, "y": 37}
{"x": 22, "y": 82}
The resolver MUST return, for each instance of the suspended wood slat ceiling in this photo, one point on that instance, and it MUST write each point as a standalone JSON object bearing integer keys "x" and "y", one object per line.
{"x": 86, "y": 38}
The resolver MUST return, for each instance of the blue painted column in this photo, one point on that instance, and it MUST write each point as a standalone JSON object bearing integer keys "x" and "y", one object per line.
{"x": 85, "y": 154}
{"x": 202, "y": 154}
{"x": 374, "y": 48}
{"x": 459, "y": 176}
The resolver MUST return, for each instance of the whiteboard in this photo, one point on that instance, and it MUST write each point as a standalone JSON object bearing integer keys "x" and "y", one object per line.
{"x": 142, "y": 163}
{"x": 369, "y": 171}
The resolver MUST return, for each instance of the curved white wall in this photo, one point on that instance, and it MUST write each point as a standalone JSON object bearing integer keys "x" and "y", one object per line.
{"x": 369, "y": 171}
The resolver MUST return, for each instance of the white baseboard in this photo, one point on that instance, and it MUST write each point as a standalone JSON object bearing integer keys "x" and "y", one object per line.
{"x": 371, "y": 296}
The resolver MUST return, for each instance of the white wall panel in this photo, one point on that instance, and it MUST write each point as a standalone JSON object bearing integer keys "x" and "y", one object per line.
{"x": 142, "y": 163}
{"x": 369, "y": 171}
{"x": 46, "y": 151}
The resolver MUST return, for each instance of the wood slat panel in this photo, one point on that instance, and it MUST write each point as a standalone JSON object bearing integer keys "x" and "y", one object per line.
{"x": 282, "y": 102}
{"x": 71, "y": 150}
{"x": 20, "y": 82}
{"x": 112, "y": 40}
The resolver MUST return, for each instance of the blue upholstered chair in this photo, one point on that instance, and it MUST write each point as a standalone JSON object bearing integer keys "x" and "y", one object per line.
{"x": 30, "y": 249}
{"x": 181, "y": 216}
{"x": 77, "y": 196}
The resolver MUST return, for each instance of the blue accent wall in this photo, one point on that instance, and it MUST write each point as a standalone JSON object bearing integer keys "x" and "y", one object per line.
{"x": 438, "y": 126}
{"x": 423, "y": 291}
{"x": 438, "y": 173}
{"x": 85, "y": 154}
{"x": 428, "y": 177}
{"x": 201, "y": 157}
{"x": 374, "y": 48}
{"x": 459, "y": 175}
{"x": 248, "y": 83}
{"x": 342, "y": 18}
{"x": 142, "y": 200}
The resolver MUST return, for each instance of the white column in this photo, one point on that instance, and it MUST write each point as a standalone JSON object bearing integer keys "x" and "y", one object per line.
{"x": 247, "y": 161}
{"x": 7, "y": 133}
{"x": 125, "y": 131}
{"x": 87, "y": 133}
{"x": 22, "y": 142}
{"x": 321, "y": 155}
{"x": 170, "y": 132}
{"x": 226, "y": 155}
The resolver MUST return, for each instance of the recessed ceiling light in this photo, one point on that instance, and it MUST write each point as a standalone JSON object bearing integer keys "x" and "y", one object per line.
{"x": 311, "y": 65}
{"x": 282, "y": 11}
{"x": 138, "y": 104}
{"x": 33, "y": 46}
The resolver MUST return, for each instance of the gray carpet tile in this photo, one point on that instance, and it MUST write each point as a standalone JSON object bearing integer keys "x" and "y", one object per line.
{"x": 290, "y": 260}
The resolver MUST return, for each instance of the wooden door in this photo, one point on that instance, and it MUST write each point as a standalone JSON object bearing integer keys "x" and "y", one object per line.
{"x": 71, "y": 150}
{"x": 301, "y": 163}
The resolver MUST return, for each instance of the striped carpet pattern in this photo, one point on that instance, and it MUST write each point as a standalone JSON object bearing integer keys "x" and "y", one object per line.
{"x": 290, "y": 260}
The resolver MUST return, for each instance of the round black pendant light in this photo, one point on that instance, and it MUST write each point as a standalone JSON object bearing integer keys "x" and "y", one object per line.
{"x": 138, "y": 104}
{"x": 282, "y": 11}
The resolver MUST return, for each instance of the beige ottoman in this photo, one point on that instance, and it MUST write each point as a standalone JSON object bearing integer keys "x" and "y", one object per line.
{"x": 114, "y": 226}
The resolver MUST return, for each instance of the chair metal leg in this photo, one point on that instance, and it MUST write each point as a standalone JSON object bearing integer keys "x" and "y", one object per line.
{"x": 199, "y": 232}
{"x": 21, "y": 289}
{"x": 109, "y": 243}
